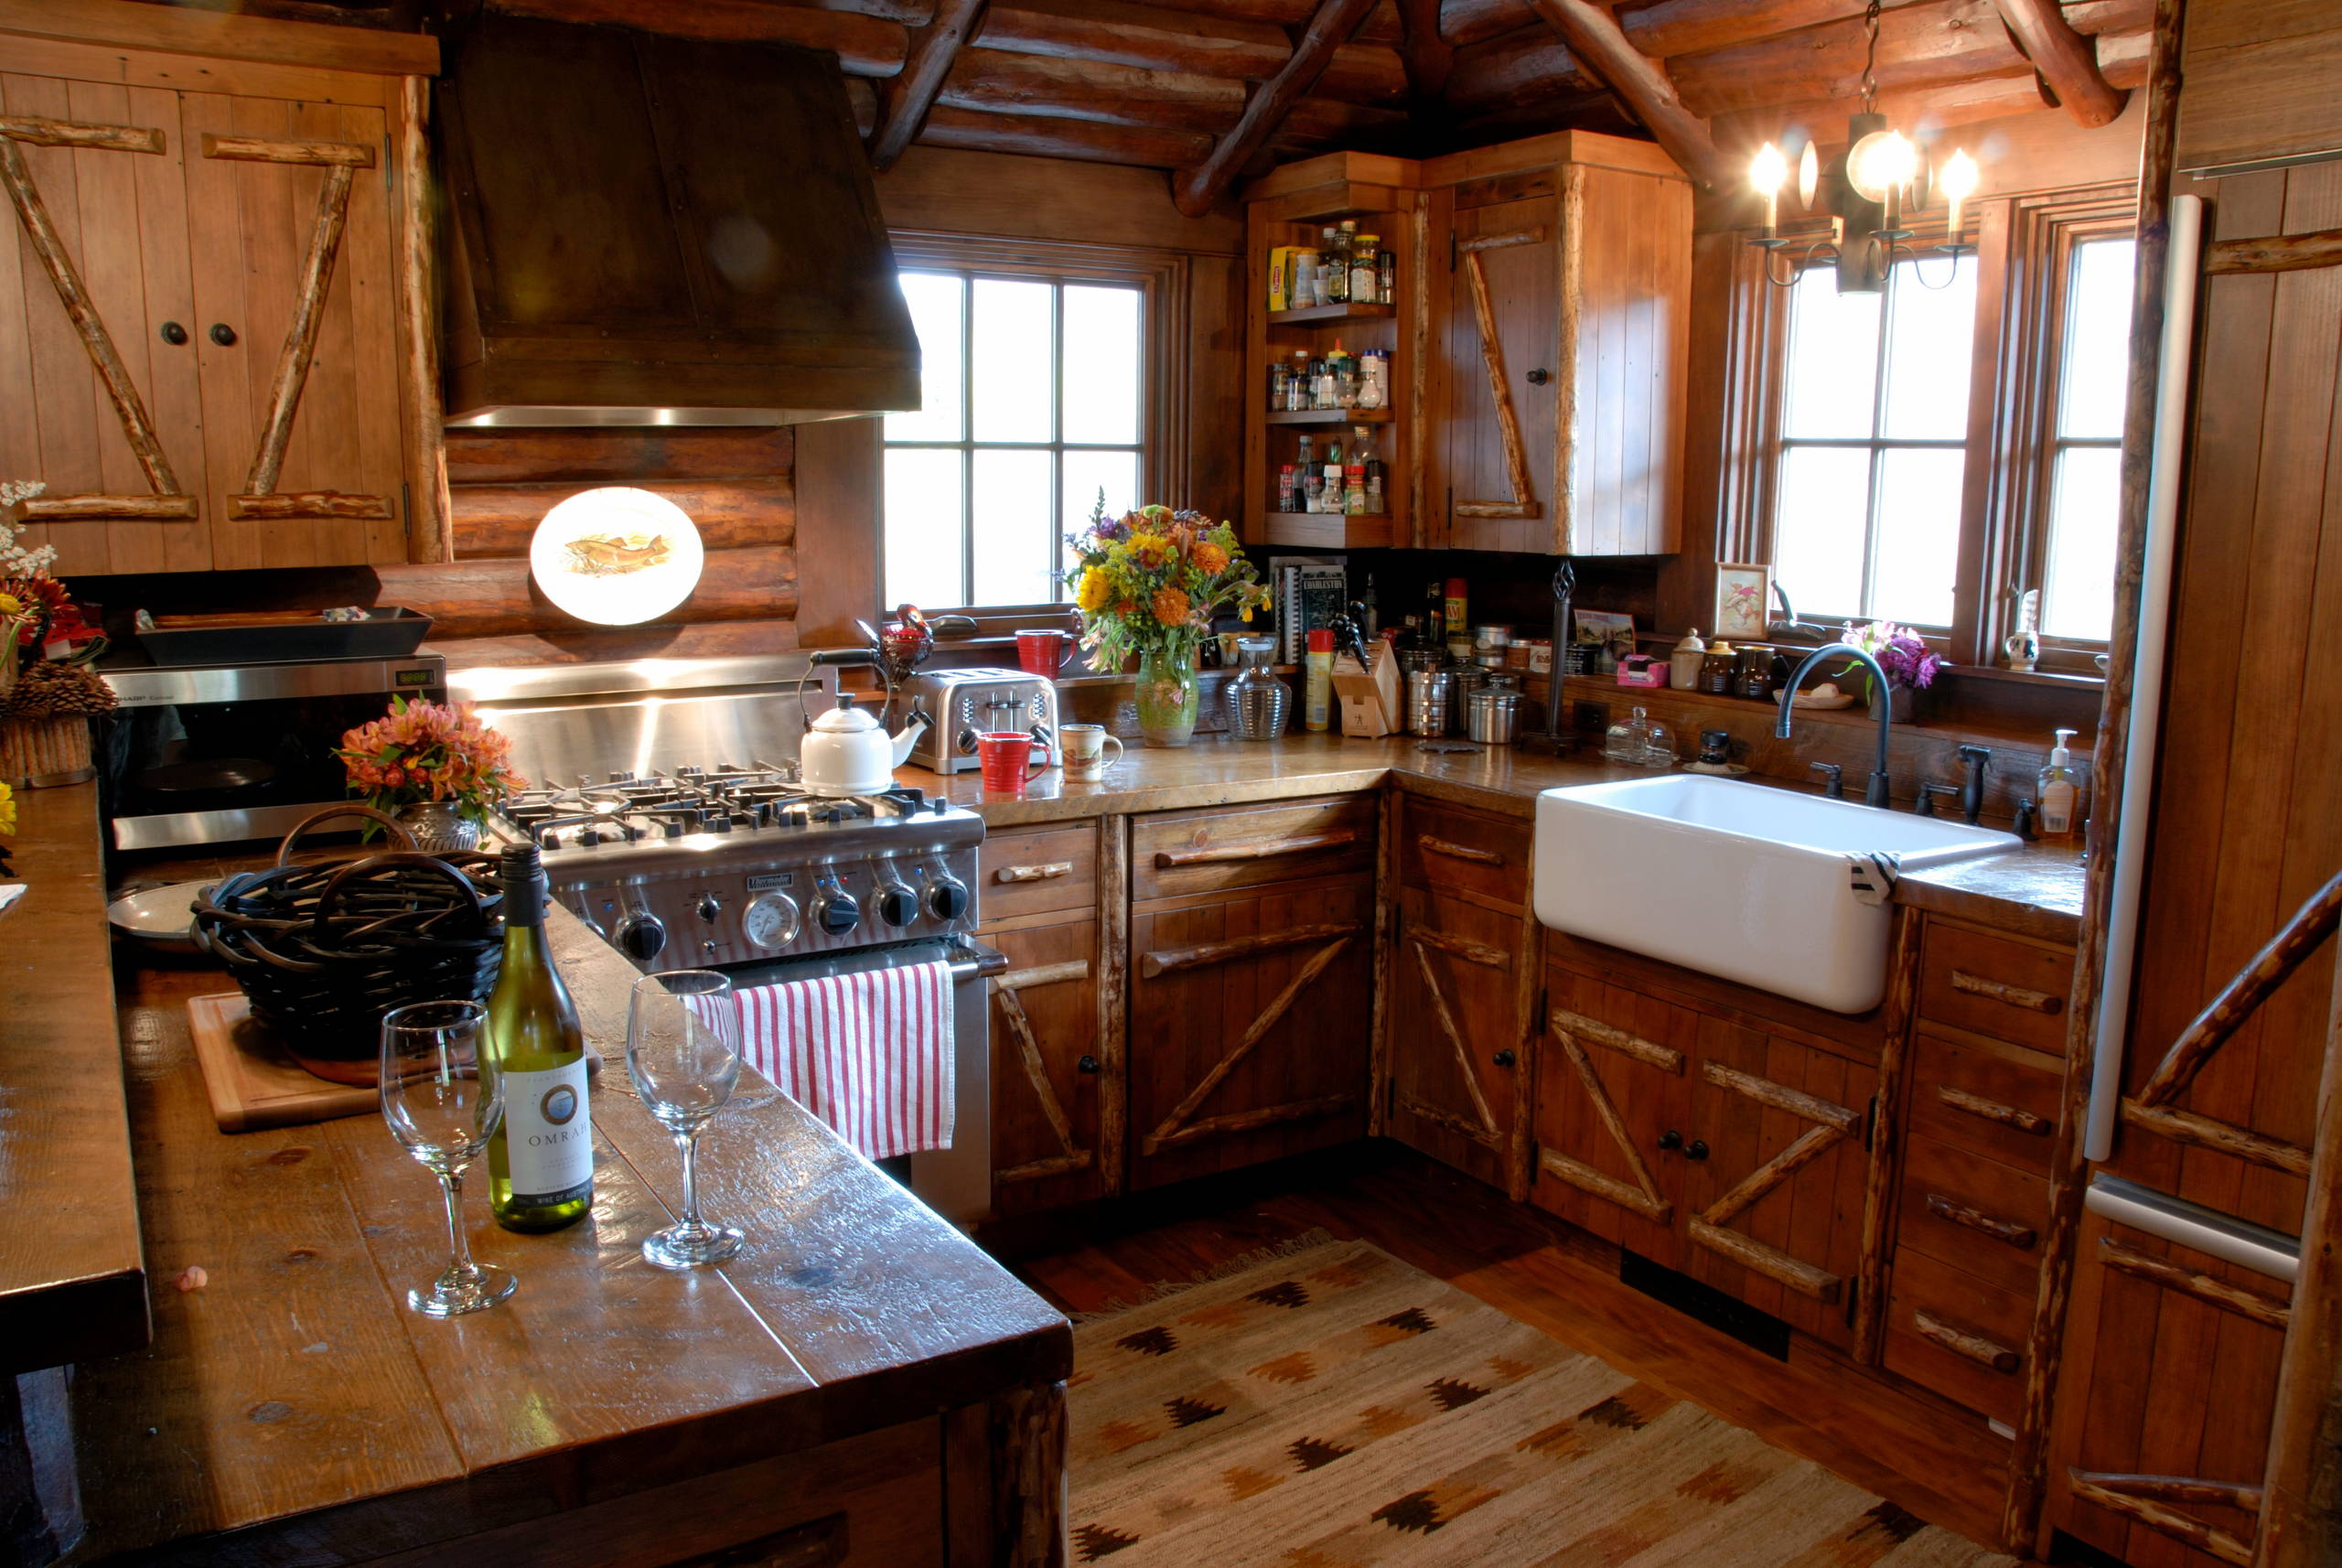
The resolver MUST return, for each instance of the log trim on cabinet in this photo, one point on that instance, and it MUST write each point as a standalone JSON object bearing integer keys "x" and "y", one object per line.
{"x": 1977, "y": 1105}
{"x": 2008, "y": 1233}
{"x": 2203, "y": 1131}
{"x": 1176, "y": 1128}
{"x": 2000, "y": 991}
{"x": 1165, "y": 961}
{"x": 1269, "y": 849}
{"x": 1114, "y": 1001}
{"x": 1650, "y": 1053}
{"x": 1430, "y": 845}
{"x": 49, "y": 248}
{"x": 1488, "y": 1133}
{"x": 1643, "y": 1198}
{"x": 1831, "y": 1123}
{"x": 1004, "y": 988}
{"x": 1480, "y": 953}
{"x": 2093, "y": 1486}
{"x": 1987, "y": 1353}
{"x": 2274, "y": 253}
{"x": 1521, "y": 503}
{"x": 2251, "y": 1304}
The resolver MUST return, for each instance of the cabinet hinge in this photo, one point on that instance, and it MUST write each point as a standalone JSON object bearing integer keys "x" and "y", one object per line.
{"x": 1870, "y": 1126}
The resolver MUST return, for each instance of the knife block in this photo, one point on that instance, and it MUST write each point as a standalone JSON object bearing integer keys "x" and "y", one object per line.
{"x": 1369, "y": 697}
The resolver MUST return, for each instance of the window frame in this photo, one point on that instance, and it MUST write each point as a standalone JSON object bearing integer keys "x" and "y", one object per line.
{"x": 2024, "y": 248}
{"x": 1160, "y": 276}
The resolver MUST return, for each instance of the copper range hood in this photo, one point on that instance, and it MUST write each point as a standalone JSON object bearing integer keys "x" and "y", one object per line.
{"x": 649, "y": 231}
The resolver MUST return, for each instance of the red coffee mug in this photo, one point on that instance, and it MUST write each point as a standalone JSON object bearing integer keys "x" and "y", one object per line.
{"x": 1004, "y": 755}
{"x": 1043, "y": 653}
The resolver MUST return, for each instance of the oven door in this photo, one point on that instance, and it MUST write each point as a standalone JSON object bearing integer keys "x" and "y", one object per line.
{"x": 955, "y": 1182}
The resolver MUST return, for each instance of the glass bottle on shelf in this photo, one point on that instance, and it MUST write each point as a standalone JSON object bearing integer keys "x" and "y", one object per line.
{"x": 1386, "y": 277}
{"x": 1323, "y": 394}
{"x": 1374, "y": 379}
{"x": 1363, "y": 288}
{"x": 1305, "y": 452}
{"x": 1334, "y": 268}
{"x": 1345, "y": 368}
{"x": 1280, "y": 379}
{"x": 1366, "y": 462}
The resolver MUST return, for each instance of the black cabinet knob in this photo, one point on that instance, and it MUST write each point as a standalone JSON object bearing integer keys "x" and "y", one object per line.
{"x": 1088, "y": 1064}
{"x": 174, "y": 334}
{"x": 223, "y": 335}
{"x": 1503, "y": 1058}
{"x": 1538, "y": 378}
{"x": 1670, "y": 1139}
{"x": 1695, "y": 1150}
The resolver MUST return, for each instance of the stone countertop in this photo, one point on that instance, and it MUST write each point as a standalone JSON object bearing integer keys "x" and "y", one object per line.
{"x": 2036, "y": 889}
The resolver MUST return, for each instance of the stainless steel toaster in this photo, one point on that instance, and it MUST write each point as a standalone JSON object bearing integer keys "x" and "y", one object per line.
{"x": 961, "y": 703}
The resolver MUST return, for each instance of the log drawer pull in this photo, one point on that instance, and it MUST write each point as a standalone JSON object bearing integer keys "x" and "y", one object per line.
{"x": 2000, "y": 991}
{"x": 1034, "y": 872}
{"x": 2020, "y": 1237}
{"x": 1207, "y": 855}
{"x": 1960, "y": 1342}
{"x": 1986, "y": 1109}
{"x": 1461, "y": 851}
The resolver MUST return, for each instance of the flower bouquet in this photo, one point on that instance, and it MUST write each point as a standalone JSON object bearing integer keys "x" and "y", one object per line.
{"x": 1150, "y": 582}
{"x": 1910, "y": 665}
{"x": 433, "y": 768}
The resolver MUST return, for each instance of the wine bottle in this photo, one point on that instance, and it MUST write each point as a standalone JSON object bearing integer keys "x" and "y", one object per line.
{"x": 541, "y": 1162}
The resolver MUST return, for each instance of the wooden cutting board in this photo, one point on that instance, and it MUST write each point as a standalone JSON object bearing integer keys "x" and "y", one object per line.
{"x": 252, "y": 1080}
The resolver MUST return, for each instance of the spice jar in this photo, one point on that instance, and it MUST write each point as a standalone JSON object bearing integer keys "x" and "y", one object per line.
{"x": 1717, "y": 669}
{"x": 1753, "y": 675}
{"x": 1683, "y": 665}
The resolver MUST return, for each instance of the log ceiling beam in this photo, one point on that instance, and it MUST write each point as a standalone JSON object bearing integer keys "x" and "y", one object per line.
{"x": 1197, "y": 190}
{"x": 1156, "y": 37}
{"x": 1671, "y": 27}
{"x": 905, "y": 100}
{"x": 987, "y": 81}
{"x": 1037, "y": 135}
{"x": 864, "y": 44}
{"x": 1515, "y": 71}
{"x": 1428, "y": 56}
{"x": 1641, "y": 83}
{"x": 2065, "y": 60}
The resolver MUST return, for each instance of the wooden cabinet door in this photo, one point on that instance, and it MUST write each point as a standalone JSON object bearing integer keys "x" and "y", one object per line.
{"x": 1775, "y": 1174}
{"x": 1456, "y": 1026}
{"x": 1612, "y": 1103}
{"x": 289, "y": 208}
{"x": 1250, "y": 1018}
{"x": 1499, "y": 339}
{"x": 2170, "y": 1375}
{"x": 95, "y": 401}
{"x": 1049, "y": 1079}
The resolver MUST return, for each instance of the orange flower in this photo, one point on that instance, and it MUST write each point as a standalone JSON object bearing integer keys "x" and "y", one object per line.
{"x": 1171, "y": 606}
{"x": 1209, "y": 558}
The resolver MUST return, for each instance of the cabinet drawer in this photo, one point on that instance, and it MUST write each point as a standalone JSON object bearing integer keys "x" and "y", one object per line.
{"x": 1208, "y": 851}
{"x": 1953, "y": 1333}
{"x": 1978, "y": 1215}
{"x": 2001, "y": 986}
{"x": 1989, "y": 1099}
{"x": 1451, "y": 849}
{"x": 1039, "y": 871}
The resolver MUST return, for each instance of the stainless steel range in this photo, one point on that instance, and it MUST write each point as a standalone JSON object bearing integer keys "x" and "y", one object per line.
{"x": 667, "y": 803}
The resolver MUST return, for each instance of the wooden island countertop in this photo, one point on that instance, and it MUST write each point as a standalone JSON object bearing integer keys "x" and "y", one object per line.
{"x": 864, "y": 1370}
{"x": 2036, "y": 889}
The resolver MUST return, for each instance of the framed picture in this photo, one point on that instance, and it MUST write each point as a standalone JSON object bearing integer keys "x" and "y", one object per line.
{"x": 1744, "y": 600}
{"x": 1606, "y": 629}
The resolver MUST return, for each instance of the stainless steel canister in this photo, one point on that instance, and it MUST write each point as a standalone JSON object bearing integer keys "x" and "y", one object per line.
{"x": 1492, "y": 715}
{"x": 1431, "y": 696}
{"x": 1469, "y": 679}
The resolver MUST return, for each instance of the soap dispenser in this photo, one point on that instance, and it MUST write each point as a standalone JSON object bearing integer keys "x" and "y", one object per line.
{"x": 2062, "y": 794}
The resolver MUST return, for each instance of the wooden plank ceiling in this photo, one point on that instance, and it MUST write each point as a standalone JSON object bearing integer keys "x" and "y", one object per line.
{"x": 1217, "y": 90}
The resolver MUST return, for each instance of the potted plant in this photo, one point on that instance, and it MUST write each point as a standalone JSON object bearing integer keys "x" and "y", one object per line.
{"x": 433, "y": 768}
{"x": 1150, "y": 582}
{"x": 1910, "y": 666}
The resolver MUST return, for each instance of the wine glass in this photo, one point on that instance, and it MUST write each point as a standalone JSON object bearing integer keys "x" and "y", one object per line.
{"x": 682, "y": 1050}
{"x": 444, "y": 1109}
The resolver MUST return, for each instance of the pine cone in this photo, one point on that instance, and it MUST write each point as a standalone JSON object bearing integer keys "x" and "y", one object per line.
{"x": 51, "y": 690}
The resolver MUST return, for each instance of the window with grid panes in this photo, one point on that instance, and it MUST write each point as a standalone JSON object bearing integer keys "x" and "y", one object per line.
{"x": 2086, "y": 443}
{"x": 1875, "y": 443}
{"x": 1033, "y": 405}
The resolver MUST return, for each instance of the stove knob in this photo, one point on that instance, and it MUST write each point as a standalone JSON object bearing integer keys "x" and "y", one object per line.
{"x": 946, "y": 897}
{"x": 641, "y": 938}
{"x": 898, "y": 905}
{"x": 836, "y": 912}
{"x": 708, "y": 907}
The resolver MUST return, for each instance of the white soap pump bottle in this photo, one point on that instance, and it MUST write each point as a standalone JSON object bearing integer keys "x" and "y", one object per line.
{"x": 2060, "y": 791}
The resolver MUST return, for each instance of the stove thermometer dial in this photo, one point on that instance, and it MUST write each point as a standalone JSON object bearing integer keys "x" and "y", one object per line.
{"x": 772, "y": 921}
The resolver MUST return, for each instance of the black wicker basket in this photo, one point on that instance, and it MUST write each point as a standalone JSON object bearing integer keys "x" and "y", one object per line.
{"x": 322, "y": 951}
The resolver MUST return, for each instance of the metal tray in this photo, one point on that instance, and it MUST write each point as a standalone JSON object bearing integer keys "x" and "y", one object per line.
{"x": 388, "y": 631}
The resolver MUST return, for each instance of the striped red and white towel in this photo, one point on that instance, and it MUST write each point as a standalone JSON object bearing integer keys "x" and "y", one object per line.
{"x": 871, "y": 1054}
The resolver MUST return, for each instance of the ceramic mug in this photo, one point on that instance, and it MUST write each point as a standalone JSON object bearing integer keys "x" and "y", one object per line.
{"x": 1084, "y": 746}
{"x": 1002, "y": 756}
{"x": 1043, "y": 653}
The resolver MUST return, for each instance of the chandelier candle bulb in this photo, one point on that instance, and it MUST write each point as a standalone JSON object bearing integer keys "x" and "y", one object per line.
{"x": 1958, "y": 182}
{"x": 1766, "y": 171}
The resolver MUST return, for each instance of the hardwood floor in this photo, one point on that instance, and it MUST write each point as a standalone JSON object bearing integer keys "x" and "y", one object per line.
{"x": 1943, "y": 1464}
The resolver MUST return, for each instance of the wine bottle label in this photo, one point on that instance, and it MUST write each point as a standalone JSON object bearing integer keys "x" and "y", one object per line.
{"x": 548, "y": 1133}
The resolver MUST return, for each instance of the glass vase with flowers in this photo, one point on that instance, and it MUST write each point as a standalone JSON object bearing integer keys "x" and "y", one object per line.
{"x": 433, "y": 768}
{"x": 1150, "y": 582}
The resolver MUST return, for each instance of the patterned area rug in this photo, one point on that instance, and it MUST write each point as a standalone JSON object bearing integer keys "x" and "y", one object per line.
{"x": 1338, "y": 1408}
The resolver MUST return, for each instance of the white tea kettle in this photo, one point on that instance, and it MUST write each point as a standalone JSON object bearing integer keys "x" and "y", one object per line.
{"x": 848, "y": 752}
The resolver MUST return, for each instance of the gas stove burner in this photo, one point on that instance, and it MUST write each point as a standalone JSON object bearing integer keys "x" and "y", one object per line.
{"x": 761, "y": 797}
